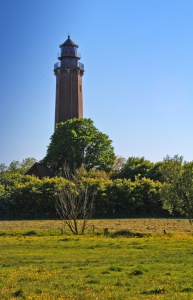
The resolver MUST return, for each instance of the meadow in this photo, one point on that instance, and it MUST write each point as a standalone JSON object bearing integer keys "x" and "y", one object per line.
{"x": 143, "y": 225}
{"x": 39, "y": 263}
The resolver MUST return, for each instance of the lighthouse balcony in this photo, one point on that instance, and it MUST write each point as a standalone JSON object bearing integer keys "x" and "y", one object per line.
{"x": 81, "y": 66}
{"x": 62, "y": 54}
{"x": 68, "y": 64}
{"x": 57, "y": 65}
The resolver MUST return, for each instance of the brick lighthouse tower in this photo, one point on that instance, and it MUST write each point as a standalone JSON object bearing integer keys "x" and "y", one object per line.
{"x": 69, "y": 72}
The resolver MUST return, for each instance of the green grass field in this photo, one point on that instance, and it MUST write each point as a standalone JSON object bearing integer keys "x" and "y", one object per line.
{"x": 43, "y": 264}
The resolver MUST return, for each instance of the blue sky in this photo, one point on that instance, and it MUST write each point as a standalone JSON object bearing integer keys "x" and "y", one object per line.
{"x": 138, "y": 82}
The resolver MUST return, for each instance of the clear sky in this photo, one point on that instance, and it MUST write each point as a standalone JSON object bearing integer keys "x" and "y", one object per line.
{"x": 138, "y": 82}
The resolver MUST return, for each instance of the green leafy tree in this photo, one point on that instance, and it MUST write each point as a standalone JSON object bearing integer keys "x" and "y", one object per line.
{"x": 14, "y": 167}
{"x": 26, "y": 164}
{"x": 2, "y": 190}
{"x": 17, "y": 167}
{"x": 3, "y": 168}
{"x": 135, "y": 166}
{"x": 141, "y": 197}
{"x": 177, "y": 191}
{"x": 154, "y": 173}
{"x": 78, "y": 142}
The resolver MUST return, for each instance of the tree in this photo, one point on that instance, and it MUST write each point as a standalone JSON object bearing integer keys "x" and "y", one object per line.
{"x": 177, "y": 191}
{"x": 118, "y": 166}
{"x": 26, "y": 164}
{"x": 135, "y": 166}
{"x": 119, "y": 163}
{"x": 14, "y": 167}
{"x": 75, "y": 203}
{"x": 2, "y": 190}
{"x": 78, "y": 142}
{"x": 22, "y": 168}
{"x": 154, "y": 173}
{"x": 3, "y": 168}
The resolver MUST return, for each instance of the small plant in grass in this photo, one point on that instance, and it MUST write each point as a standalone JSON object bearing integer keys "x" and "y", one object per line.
{"x": 92, "y": 281}
{"x": 136, "y": 272}
{"x": 88, "y": 276}
{"x": 18, "y": 293}
{"x": 39, "y": 291}
{"x": 119, "y": 283}
{"x": 6, "y": 265}
{"x": 116, "y": 269}
{"x": 105, "y": 272}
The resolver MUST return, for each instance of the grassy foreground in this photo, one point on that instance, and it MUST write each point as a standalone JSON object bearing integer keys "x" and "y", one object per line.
{"x": 46, "y": 265}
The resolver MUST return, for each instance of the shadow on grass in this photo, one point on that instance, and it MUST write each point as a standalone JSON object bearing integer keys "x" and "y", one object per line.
{"x": 136, "y": 273}
{"x": 29, "y": 233}
{"x": 128, "y": 233}
{"x": 188, "y": 289}
{"x": 156, "y": 291}
{"x": 115, "y": 268}
{"x": 18, "y": 293}
{"x": 67, "y": 233}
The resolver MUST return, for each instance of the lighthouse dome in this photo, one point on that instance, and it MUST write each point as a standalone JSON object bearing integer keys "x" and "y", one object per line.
{"x": 68, "y": 46}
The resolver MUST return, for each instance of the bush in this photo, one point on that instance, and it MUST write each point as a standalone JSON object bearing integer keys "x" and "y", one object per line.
{"x": 28, "y": 197}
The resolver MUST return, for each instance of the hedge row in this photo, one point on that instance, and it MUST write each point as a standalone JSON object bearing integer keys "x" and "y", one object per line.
{"x": 27, "y": 197}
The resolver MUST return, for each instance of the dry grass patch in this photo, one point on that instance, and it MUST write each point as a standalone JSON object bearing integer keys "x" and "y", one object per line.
{"x": 134, "y": 225}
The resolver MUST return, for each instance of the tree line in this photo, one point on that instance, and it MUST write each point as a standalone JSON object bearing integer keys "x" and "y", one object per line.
{"x": 134, "y": 187}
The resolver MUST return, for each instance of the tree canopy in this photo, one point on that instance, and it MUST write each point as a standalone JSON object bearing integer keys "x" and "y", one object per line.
{"x": 135, "y": 166}
{"x": 17, "y": 167}
{"x": 154, "y": 173}
{"x": 78, "y": 142}
{"x": 177, "y": 191}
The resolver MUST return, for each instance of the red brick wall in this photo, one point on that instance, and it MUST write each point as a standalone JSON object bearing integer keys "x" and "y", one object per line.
{"x": 63, "y": 95}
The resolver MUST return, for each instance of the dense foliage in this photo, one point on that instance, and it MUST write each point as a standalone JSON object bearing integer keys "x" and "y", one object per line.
{"x": 17, "y": 167}
{"x": 28, "y": 197}
{"x": 78, "y": 142}
{"x": 177, "y": 191}
{"x": 132, "y": 187}
{"x": 136, "y": 166}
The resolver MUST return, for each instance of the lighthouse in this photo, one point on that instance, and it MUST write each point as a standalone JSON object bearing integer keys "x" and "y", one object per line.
{"x": 68, "y": 71}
